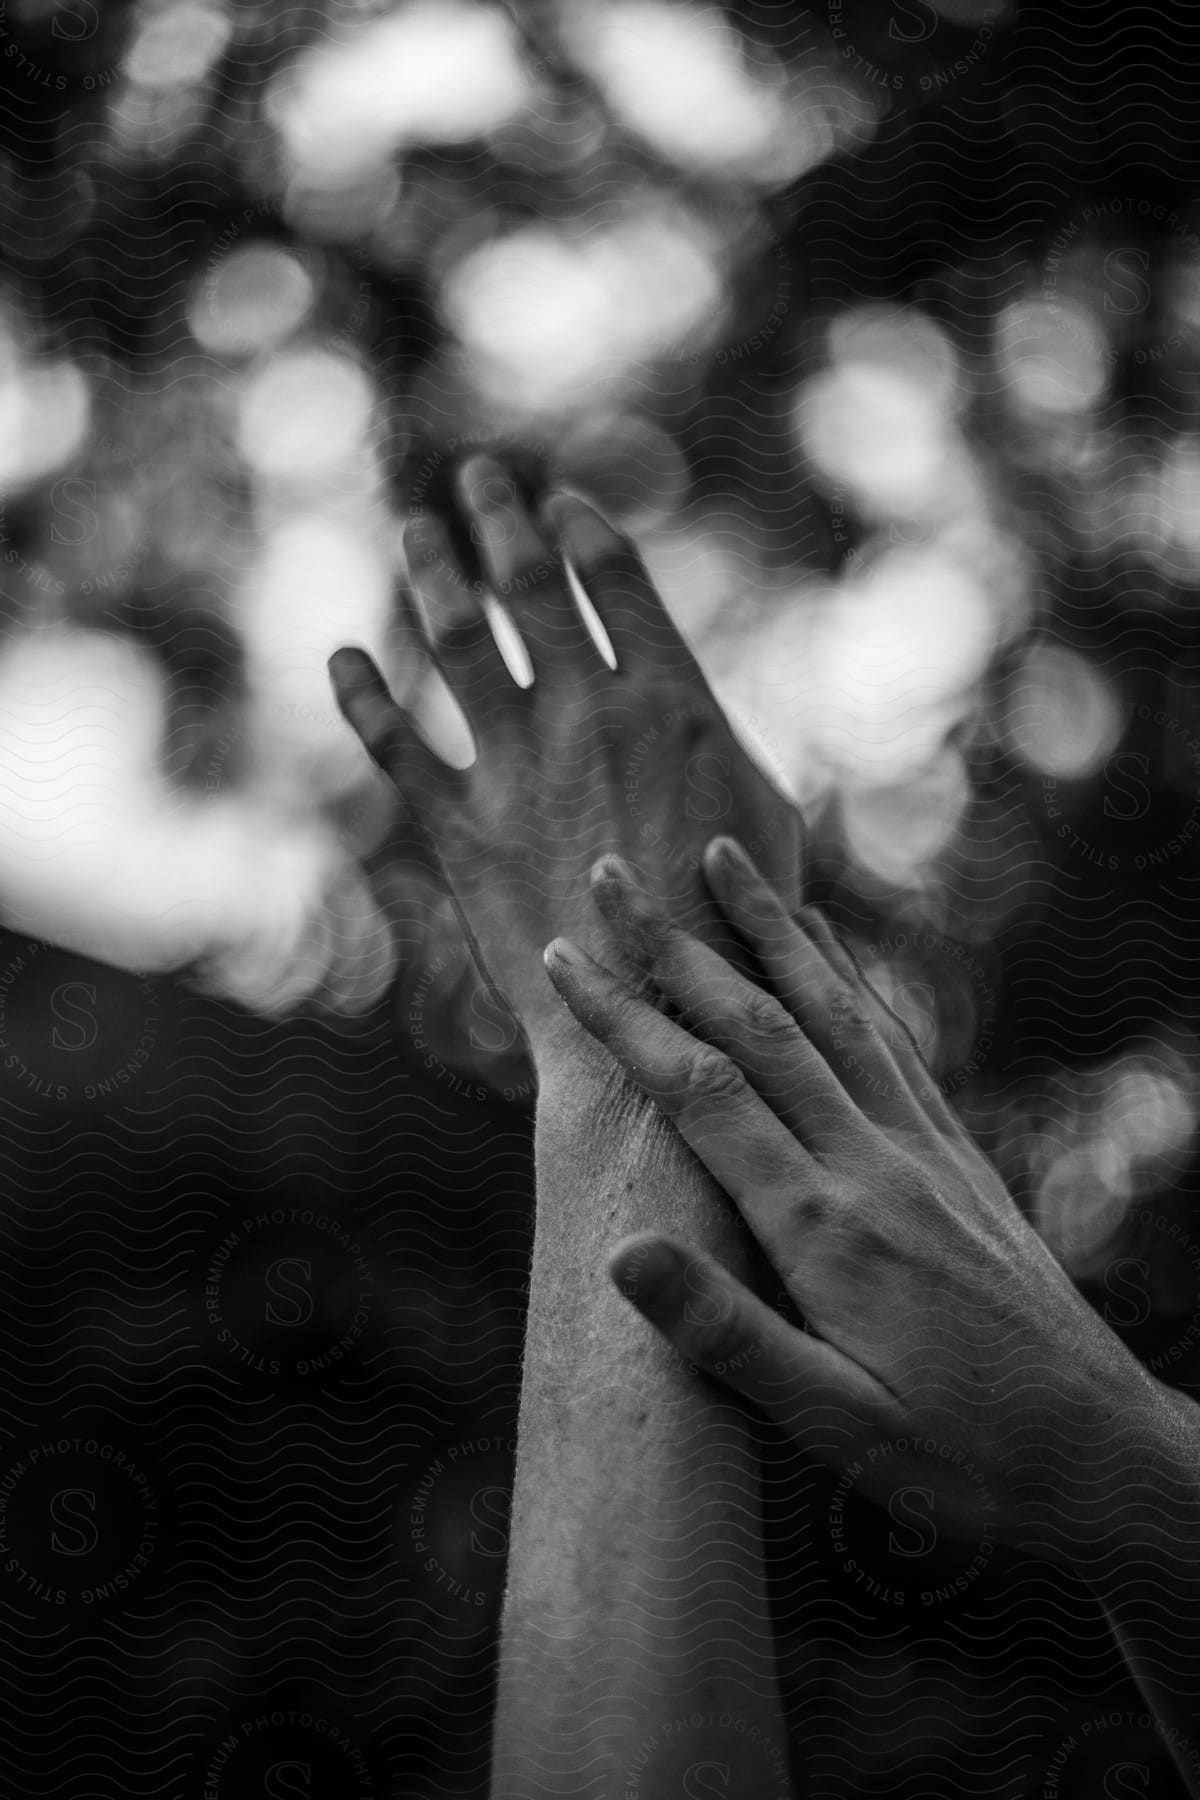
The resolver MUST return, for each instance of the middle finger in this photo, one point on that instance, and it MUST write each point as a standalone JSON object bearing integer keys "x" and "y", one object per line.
{"x": 527, "y": 575}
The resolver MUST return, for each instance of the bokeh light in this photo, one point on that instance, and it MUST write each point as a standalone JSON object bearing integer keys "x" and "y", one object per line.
{"x": 894, "y": 658}
{"x": 436, "y": 73}
{"x": 1063, "y": 716}
{"x": 1051, "y": 357}
{"x": 1116, "y": 1136}
{"x": 177, "y": 45}
{"x": 1176, "y": 525}
{"x": 689, "y": 84}
{"x": 306, "y": 412}
{"x": 906, "y": 341}
{"x": 630, "y": 466}
{"x": 553, "y": 319}
{"x": 254, "y": 297}
{"x": 44, "y": 413}
{"x": 320, "y": 583}
{"x": 880, "y": 432}
{"x": 897, "y": 831}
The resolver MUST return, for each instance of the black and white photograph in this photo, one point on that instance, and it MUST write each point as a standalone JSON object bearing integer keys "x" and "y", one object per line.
{"x": 599, "y": 900}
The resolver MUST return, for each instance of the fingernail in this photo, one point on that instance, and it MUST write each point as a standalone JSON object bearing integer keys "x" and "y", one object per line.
{"x": 478, "y": 477}
{"x": 614, "y": 868}
{"x": 625, "y": 903}
{"x": 591, "y": 535}
{"x": 646, "y": 1272}
{"x": 480, "y": 465}
{"x": 351, "y": 667}
{"x": 348, "y": 662}
{"x": 563, "y": 950}
{"x": 726, "y": 856}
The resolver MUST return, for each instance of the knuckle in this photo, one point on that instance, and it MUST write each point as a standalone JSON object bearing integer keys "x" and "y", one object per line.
{"x": 805, "y": 1207}
{"x": 852, "y": 1011}
{"x": 768, "y": 1020}
{"x": 851, "y": 1006}
{"x": 711, "y": 1076}
{"x": 873, "y": 1245}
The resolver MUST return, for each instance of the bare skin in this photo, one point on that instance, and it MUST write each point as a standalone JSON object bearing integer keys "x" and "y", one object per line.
{"x": 636, "y": 1643}
{"x": 942, "y": 1330}
{"x": 935, "y": 1315}
{"x": 638, "y": 760}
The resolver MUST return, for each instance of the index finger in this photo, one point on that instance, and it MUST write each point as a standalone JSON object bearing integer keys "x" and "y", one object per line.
{"x": 778, "y": 1186}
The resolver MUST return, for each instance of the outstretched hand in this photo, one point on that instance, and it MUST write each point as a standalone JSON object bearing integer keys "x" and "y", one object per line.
{"x": 939, "y": 1324}
{"x": 588, "y": 759}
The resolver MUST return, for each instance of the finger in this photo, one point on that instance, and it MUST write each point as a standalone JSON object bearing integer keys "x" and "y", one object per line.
{"x": 847, "y": 968}
{"x": 895, "y": 1033}
{"x": 837, "y": 1012}
{"x": 778, "y": 1187}
{"x": 614, "y": 578}
{"x": 454, "y": 626}
{"x": 388, "y": 735}
{"x": 512, "y": 552}
{"x": 819, "y": 1395}
{"x": 524, "y": 570}
{"x": 732, "y": 1014}
{"x": 825, "y": 938}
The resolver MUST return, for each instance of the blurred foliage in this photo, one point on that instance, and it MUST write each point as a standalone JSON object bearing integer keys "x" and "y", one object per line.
{"x": 879, "y": 327}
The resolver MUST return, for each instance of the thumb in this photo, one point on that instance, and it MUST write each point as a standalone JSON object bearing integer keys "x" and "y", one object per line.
{"x": 826, "y": 1401}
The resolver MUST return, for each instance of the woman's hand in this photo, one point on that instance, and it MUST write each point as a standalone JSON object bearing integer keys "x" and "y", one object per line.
{"x": 945, "y": 1346}
{"x": 588, "y": 759}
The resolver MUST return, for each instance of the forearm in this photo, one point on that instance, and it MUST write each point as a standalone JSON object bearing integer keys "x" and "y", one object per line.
{"x": 636, "y": 1639}
{"x": 1144, "y": 1566}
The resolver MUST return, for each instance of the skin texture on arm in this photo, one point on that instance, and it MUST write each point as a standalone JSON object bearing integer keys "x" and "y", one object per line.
{"x": 636, "y": 1625}
{"x": 636, "y": 1651}
{"x": 946, "y": 1348}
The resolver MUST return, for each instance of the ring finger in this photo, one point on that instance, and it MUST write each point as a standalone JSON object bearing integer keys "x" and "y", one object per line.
{"x": 453, "y": 626}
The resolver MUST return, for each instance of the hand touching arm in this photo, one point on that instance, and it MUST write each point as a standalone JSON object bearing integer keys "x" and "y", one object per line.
{"x": 948, "y": 1356}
